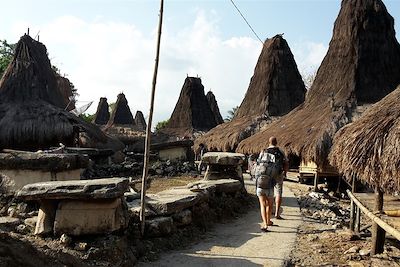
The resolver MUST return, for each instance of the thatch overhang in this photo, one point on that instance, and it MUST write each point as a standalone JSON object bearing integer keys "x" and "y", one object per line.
{"x": 32, "y": 114}
{"x": 192, "y": 112}
{"x": 121, "y": 115}
{"x": 275, "y": 88}
{"x": 102, "y": 115}
{"x": 141, "y": 124}
{"x": 369, "y": 148}
{"x": 66, "y": 91}
{"x": 214, "y": 107}
{"x": 362, "y": 66}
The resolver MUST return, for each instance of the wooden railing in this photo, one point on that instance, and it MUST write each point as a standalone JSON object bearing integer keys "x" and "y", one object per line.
{"x": 355, "y": 216}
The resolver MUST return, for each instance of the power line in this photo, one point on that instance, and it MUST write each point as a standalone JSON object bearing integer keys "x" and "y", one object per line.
{"x": 248, "y": 24}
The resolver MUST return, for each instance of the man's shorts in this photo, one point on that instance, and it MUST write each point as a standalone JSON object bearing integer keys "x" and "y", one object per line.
{"x": 278, "y": 186}
{"x": 265, "y": 192}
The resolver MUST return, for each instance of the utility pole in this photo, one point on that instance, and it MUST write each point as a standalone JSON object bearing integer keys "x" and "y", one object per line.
{"x": 148, "y": 128}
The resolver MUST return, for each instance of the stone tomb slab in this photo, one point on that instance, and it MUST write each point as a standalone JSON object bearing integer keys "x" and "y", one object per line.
{"x": 220, "y": 186}
{"x": 82, "y": 189}
{"x": 174, "y": 200}
{"x": 223, "y": 158}
{"x": 79, "y": 207}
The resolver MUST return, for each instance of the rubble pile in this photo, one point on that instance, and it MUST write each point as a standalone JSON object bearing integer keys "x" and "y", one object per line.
{"x": 132, "y": 168}
{"x": 325, "y": 208}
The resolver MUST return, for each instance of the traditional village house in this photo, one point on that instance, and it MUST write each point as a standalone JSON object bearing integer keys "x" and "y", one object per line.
{"x": 275, "y": 89}
{"x": 362, "y": 66}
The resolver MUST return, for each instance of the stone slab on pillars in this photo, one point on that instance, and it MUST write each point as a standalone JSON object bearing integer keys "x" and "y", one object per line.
{"x": 82, "y": 189}
{"x": 174, "y": 200}
{"x": 75, "y": 217}
{"x": 220, "y": 186}
{"x": 223, "y": 158}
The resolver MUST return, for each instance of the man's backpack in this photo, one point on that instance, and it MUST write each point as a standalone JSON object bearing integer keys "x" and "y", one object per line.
{"x": 269, "y": 167}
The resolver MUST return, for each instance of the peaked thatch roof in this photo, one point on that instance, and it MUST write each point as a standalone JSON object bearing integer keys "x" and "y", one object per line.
{"x": 192, "y": 112}
{"x": 140, "y": 121}
{"x": 214, "y": 107}
{"x": 369, "y": 147}
{"x": 65, "y": 88}
{"x": 275, "y": 88}
{"x": 31, "y": 106}
{"x": 102, "y": 115}
{"x": 362, "y": 66}
{"x": 121, "y": 114}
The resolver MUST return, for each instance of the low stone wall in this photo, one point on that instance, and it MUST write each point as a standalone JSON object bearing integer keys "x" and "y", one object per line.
{"x": 183, "y": 206}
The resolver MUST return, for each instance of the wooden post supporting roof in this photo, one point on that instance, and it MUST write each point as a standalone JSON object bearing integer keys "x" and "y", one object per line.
{"x": 148, "y": 128}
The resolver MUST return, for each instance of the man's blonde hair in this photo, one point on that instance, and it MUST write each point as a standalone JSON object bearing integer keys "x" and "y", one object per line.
{"x": 273, "y": 141}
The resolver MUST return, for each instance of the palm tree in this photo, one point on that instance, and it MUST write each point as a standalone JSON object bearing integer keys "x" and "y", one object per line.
{"x": 231, "y": 114}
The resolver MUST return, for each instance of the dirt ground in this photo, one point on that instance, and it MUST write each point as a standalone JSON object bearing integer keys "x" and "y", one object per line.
{"x": 318, "y": 244}
{"x": 160, "y": 184}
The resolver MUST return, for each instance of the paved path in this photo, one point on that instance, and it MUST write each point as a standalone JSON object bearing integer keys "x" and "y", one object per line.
{"x": 240, "y": 242}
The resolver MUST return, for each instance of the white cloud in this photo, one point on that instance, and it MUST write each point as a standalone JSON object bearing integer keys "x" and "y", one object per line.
{"x": 103, "y": 58}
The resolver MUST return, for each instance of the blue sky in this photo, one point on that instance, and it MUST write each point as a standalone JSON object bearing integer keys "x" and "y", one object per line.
{"x": 108, "y": 46}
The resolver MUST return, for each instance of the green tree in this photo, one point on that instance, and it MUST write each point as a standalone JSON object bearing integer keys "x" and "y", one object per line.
{"x": 6, "y": 55}
{"x": 87, "y": 117}
{"x": 161, "y": 124}
{"x": 231, "y": 114}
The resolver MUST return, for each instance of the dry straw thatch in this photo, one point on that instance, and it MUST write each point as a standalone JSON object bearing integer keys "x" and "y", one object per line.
{"x": 275, "y": 88}
{"x": 212, "y": 102}
{"x": 361, "y": 66}
{"x": 192, "y": 112}
{"x": 102, "y": 115}
{"x": 32, "y": 114}
{"x": 121, "y": 115}
{"x": 140, "y": 121}
{"x": 369, "y": 148}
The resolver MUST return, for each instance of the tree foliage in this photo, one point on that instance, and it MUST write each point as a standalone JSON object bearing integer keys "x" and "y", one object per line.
{"x": 161, "y": 124}
{"x": 87, "y": 117}
{"x": 6, "y": 55}
{"x": 231, "y": 114}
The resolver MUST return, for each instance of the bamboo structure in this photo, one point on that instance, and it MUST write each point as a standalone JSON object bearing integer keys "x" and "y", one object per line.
{"x": 148, "y": 128}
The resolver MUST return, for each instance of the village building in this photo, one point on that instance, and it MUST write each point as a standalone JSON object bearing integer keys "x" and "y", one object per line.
{"x": 102, "y": 115}
{"x": 362, "y": 65}
{"x": 32, "y": 108}
{"x": 275, "y": 89}
{"x": 192, "y": 114}
{"x": 214, "y": 107}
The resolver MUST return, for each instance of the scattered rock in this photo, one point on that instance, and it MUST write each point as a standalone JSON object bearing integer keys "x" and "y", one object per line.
{"x": 159, "y": 227}
{"x": 182, "y": 218}
{"x": 65, "y": 240}
{"x": 31, "y": 222}
{"x": 364, "y": 252}
{"x": 351, "y": 250}
{"x": 22, "y": 229}
{"x": 81, "y": 246}
{"x": 9, "y": 222}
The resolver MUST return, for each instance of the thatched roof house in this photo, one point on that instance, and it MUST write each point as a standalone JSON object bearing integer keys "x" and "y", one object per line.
{"x": 362, "y": 66}
{"x": 369, "y": 148}
{"x": 121, "y": 114}
{"x": 140, "y": 122}
{"x": 275, "y": 89}
{"x": 66, "y": 91}
{"x": 214, "y": 107}
{"x": 32, "y": 114}
{"x": 102, "y": 115}
{"x": 192, "y": 112}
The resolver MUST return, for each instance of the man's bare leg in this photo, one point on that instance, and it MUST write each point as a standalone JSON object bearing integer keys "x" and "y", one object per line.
{"x": 263, "y": 209}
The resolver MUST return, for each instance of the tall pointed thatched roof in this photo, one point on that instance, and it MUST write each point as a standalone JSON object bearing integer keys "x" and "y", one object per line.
{"x": 369, "y": 148}
{"x": 275, "y": 88}
{"x": 214, "y": 107}
{"x": 102, "y": 115}
{"x": 192, "y": 112}
{"x": 66, "y": 92}
{"x": 31, "y": 106}
{"x": 121, "y": 114}
{"x": 141, "y": 124}
{"x": 362, "y": 66}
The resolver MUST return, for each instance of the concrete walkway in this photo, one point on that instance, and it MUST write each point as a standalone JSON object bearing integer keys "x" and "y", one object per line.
{"x": 241, "y": 243}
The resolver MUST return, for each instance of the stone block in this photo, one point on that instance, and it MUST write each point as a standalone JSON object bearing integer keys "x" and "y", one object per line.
{"x": 134, "y": 208}
{"x": 182, "y": 218}
{"x": 76, "y": 217}
{"x": 223, "y": 158}
{"x": 82, "y": 189}
{"x": 174, "y": 200}
{"x": 220, "y": 186}
{"x": 159, "y": 227}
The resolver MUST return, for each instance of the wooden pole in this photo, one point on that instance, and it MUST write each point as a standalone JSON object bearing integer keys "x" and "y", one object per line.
{"x": 378, "y": 234}
{"x": 148, "y": 128}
